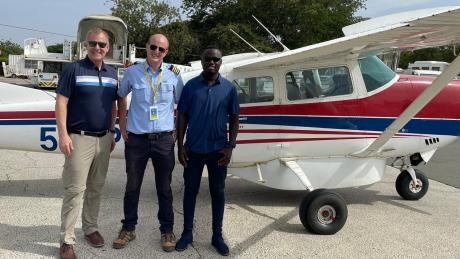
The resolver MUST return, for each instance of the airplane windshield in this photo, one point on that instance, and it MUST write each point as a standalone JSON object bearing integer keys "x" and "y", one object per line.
{"x": 375, "y": 73}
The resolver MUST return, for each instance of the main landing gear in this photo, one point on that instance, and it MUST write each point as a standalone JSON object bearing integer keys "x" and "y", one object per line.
{"x": 323, "y": 212}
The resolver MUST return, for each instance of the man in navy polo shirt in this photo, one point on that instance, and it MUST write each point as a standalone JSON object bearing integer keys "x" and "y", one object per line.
{"x": 85, "y": 117}
{"x": 207, "y": 103}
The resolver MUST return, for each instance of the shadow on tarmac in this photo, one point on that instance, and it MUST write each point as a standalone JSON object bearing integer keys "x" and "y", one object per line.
{"x": 240, "y": 193}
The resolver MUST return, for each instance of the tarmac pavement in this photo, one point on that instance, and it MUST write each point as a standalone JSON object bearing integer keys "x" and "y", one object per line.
{"x": 259, "y": 222}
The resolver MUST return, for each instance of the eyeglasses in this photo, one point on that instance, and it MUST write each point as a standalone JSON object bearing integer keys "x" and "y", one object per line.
{"x": 214, "y": 59}
{"x": 93, "y": 44}
{"x": 160, "y": 49}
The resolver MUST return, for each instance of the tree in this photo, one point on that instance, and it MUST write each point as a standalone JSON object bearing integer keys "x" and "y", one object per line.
{"x": 445, "y": 54}
{"x": 7, "y": 47}
{"x": 297, "y": 23}
{"x": 56, "y": 48}
{"x": 183, "y": 43}
{"x": 144, "y": 17}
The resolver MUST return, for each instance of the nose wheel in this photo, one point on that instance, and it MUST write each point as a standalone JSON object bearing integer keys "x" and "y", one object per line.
{"x": 411, "y": 189}
{"x": 323, "y": 212}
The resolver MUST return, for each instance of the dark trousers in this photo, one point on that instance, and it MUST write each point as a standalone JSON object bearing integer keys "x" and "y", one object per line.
{"x": 192, "y": 178}
{"x": 138, "y": 150}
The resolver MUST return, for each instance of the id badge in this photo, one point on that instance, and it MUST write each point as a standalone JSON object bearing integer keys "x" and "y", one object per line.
{"x": 153, "y": 113}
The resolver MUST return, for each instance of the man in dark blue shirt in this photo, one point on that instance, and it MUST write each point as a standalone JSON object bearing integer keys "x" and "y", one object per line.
{"x": 207, "y": 103}
{"x": 85, "y": 117}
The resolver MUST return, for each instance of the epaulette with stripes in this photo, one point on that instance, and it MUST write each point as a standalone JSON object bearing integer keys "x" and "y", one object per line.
{"x": 174, "y": 69}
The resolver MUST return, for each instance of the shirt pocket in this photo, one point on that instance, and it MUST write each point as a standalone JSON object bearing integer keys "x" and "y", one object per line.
{"x": 141, "y": 93}
{"x": 166, "y": 93}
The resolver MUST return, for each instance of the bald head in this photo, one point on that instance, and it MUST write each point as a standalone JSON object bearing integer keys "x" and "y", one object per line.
{"x": 157, "y": 48}
{"x": 158, "y": 37}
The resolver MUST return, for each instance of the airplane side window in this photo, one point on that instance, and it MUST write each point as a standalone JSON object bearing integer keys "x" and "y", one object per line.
{"x": 375, "y": 73}
{"x": 318, "y": 83}
{"x": 254, "y": 89}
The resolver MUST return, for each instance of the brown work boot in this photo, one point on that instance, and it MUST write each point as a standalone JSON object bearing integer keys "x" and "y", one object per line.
{"x": 95, "y": 239}
{"x": 124, "y": 237}
{"x": 66, "y": 252}
{"x": 168, "y": 242}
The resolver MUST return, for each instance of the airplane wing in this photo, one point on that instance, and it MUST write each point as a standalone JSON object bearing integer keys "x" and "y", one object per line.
{"x": 405, "y": 31}
{"x": 397, "y": 32}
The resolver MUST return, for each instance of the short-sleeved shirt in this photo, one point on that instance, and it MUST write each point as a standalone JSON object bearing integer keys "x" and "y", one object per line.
{"x": 135, "y": 81}
{"x": 91, "y": 92}
{"x": 208, "y": 109}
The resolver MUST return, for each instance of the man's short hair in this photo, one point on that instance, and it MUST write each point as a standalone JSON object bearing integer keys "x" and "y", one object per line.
{"x": 96, "y": 31}
{"x": 211, "y": 47}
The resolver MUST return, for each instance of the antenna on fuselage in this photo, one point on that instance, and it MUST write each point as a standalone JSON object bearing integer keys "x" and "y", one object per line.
{"x": 249, "y": 44}
{"x": 271, "y": 34}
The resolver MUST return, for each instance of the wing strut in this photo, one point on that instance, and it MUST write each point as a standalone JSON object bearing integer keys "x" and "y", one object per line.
{"x": 426, "y": 96}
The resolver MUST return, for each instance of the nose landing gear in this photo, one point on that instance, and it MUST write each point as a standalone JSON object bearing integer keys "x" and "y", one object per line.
{"x": 412, "y": 186}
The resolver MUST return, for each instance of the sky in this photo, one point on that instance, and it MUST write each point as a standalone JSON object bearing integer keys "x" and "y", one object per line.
{"x": 62, "y": 16}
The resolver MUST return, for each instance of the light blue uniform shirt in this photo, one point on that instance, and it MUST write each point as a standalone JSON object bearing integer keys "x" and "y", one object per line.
{"x": 135, "y": 81}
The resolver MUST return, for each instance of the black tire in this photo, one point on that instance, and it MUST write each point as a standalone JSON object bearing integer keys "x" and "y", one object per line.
{"x": 406, "y": 188}
{"x": 13, "y": 76}
{"x": 323, "y": 212}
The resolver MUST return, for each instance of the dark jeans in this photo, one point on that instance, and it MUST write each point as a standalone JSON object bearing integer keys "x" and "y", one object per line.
{"x": 138, "y": 150}
{"x": 192, "y": 178}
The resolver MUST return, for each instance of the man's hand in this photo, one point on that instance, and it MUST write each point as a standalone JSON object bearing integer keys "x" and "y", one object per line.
{"x": 182, "y": 155}
{"x": 65, "y": 144}
{"x": 124, "y": 134}
{"x": 174, "y": 135}
{"x": 225, "y": 160}
{"x": 112, "y": 146}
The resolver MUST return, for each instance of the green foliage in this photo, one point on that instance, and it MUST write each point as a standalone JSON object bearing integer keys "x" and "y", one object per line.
{"x": 7, "y": 47}
{"x": 143, "y": 17}
{"x": 183, "y": 43}
{"x": 297, "y": 23}
{"x": 57, "y": 48}
{"x": 445, "y": 54}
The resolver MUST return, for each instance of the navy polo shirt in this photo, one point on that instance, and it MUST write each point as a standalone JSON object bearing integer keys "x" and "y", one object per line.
{"x": 208, "y": 109}
{"x": 91, "y": 92}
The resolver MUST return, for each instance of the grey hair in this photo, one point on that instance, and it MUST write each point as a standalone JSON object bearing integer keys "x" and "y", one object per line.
{"x": 96, "y": 31}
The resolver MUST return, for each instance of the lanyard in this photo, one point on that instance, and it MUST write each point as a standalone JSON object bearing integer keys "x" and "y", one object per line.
{"x": 157, "y": 86}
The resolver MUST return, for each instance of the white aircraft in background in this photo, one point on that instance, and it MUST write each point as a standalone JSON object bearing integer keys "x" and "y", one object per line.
{"x": 317, "y": 118}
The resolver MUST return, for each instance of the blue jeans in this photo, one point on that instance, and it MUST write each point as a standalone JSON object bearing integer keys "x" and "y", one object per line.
{"x": 138, "y": 150}
{"x": 192, "y": 179}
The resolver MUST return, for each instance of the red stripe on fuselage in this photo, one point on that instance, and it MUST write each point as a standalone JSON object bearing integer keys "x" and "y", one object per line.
{"x": 27, "y": 115}
{"x": 253, "y": 141}
{"x": 391, "y": 102}
{"x": 325, "y": 132}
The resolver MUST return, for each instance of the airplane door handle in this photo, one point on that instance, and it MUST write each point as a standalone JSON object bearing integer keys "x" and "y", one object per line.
{"x": 277, "y": 146}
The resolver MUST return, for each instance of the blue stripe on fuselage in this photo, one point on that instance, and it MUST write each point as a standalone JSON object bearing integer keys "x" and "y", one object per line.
{"x": 415, "y": 126}
{"x": 28, "y": 122}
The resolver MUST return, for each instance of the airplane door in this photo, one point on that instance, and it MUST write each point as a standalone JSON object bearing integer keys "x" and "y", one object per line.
{"x": 259, "y": 117}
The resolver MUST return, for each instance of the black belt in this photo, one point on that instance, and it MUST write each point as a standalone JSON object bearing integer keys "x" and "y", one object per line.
{"x": 90, "y": 133}
{"x": 153, "y": 136}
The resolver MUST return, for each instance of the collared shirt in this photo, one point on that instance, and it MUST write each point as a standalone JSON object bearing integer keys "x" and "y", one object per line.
{"x": 135, "y": 81}
{"x": 91, "y": 92}
{"x": 208, "y": 109}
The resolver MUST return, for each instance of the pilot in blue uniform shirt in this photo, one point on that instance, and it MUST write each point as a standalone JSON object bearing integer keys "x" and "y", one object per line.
{"x": 167, "y": 95}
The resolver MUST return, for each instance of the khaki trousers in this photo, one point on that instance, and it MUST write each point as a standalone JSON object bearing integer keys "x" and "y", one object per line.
{"x": 83, "y": 176}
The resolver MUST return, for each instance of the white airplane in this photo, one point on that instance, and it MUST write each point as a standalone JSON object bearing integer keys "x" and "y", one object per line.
{"x": 317, "y": 118}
